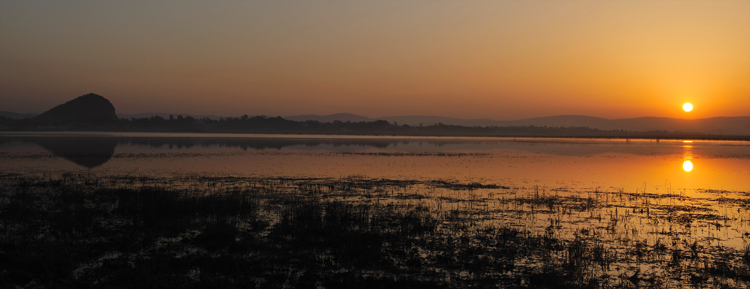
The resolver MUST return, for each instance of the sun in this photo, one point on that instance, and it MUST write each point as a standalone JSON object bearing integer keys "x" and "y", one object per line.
{"x": 687, "y": 107}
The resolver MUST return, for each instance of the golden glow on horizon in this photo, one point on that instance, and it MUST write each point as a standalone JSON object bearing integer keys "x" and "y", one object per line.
{"x": 687, "y": 107}
{"x": 687, "y": 166}
{"x": 503, "y": 60}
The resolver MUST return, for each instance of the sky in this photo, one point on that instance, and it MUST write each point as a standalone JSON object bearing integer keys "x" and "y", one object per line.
{"x": 501, "y": 60}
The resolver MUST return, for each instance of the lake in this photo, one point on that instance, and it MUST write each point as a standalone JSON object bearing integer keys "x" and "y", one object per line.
{"x": 669, "y": 210}
{"x": 522, "y": 163}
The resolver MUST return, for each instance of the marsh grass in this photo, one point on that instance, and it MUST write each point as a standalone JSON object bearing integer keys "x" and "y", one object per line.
{"x": 80, "y": 231}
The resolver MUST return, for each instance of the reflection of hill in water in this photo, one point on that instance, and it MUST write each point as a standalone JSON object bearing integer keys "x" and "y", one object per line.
{"x": 84, "y": 151}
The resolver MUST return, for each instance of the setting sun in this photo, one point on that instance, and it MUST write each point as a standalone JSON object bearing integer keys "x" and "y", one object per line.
{"x": 687, "y": 107}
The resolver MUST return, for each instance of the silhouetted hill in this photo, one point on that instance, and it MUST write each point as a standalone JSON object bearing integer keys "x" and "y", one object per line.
{"x": 87, "y": 109}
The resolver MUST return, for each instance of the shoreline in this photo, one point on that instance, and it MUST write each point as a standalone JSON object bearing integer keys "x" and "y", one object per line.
{"x": 232, "y": 134}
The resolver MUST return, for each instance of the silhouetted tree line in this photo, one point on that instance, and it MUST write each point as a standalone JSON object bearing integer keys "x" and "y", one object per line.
{"x": 264, "y": 124}
{"x": 246, "y": 123}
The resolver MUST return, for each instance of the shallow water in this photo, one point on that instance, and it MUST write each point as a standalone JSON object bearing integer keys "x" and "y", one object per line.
{"x": 547, "y": 163}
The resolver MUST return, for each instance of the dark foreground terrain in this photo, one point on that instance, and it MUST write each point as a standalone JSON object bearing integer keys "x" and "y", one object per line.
{"x": 84, "y": 231}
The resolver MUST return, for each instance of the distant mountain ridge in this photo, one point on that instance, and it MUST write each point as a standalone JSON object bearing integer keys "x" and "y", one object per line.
{"x": 432, "y": 120}
{"x": 13, "y": 115}
{"x": 406, "y": 119}
{"x": 739, "y": 125}
{"x": 95, "y": 109}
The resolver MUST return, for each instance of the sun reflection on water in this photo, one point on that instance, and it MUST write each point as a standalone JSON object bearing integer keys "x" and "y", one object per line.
{"x": 687, "y": 155}
{"x": 687, "y": 166}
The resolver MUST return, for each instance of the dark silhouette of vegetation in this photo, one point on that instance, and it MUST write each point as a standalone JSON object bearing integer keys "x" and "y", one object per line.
{"x": 92, "y": 112}
{"x": 81, "y": 231}
{"x": 278, "y": 125}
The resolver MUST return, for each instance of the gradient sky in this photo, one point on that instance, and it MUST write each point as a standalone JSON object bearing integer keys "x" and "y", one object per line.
{"x": 501, "y": 60}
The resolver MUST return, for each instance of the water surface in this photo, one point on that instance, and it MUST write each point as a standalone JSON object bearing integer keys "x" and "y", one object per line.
{"x": 548, "y": 163}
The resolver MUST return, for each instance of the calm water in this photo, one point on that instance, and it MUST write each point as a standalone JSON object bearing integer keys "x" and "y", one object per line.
{"x": 665, "y": 208}
{"x": 521, "y": 163}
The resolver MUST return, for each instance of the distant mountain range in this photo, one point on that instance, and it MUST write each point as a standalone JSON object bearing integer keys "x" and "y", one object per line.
{"x": 739, "y": 125}
{"x": 95, "y": 107}
{"x": 407, "y": 119}
{"x": 716, "y": 125}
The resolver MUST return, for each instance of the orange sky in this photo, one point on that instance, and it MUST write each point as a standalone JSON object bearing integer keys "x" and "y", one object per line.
{"x": 501, "y": 60}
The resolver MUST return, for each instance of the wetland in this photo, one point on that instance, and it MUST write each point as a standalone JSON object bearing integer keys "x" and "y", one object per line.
{"x": 80, "y": 210}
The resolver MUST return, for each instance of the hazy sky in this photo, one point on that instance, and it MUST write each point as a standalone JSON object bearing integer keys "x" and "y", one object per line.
{"x": 468, "y": 59}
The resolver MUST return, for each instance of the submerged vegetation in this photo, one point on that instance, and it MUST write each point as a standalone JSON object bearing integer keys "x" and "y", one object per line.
{"x": 79, "y": 231}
